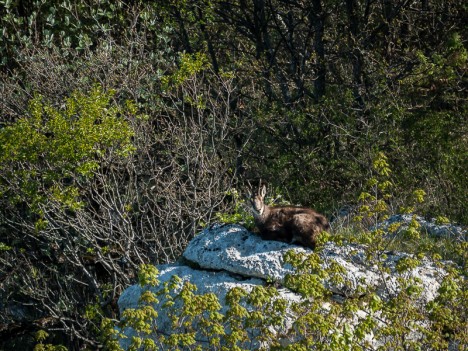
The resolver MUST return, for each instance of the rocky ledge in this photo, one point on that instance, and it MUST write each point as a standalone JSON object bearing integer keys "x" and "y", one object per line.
{"x": 222, "y": 257}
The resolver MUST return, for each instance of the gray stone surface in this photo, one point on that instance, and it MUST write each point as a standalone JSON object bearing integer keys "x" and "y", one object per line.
{"x": 431, "y": 227}
{"x": 234, "y": 249}
{"x": 219, "y": 283}
{"x": 225, "y": 256}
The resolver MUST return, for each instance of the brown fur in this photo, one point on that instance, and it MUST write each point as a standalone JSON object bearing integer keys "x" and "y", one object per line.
{"x": 290, "y": 224}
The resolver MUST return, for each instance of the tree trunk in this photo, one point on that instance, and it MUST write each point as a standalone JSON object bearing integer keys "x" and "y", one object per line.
{"x": 318, "y": 20}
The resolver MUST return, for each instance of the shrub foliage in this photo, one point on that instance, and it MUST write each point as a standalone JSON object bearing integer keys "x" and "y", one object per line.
{"x": 126, "y": 126}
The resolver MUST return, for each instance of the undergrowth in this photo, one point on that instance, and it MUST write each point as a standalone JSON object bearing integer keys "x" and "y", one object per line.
{"x": 262, "y": 319}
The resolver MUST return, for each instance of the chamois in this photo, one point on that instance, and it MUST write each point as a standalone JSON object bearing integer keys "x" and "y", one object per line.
{"x": 290, "y": 224}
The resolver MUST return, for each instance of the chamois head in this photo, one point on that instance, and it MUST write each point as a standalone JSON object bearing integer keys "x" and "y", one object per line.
{"x": 258, "y": 200}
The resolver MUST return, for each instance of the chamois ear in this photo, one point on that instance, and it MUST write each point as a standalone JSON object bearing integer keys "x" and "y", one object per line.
{"x": 249, "y": 189}
{"x": 263, "y": 191}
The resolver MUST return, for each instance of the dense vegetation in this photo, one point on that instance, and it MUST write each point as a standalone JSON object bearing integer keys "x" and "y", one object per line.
{"x": 126, "y": 126}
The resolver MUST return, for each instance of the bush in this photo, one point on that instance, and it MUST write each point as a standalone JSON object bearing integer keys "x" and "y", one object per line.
{"x": 94, "y": 184}
{"x": 49, "y": 161}
{"x": 257, "y": 318}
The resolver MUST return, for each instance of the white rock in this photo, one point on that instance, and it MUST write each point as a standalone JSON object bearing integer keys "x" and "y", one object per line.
{"x": 219, "y": 283}
{"x": 234, "y": 249}
{"x": 228, "y": 256}
{"x": 430, "y": 227}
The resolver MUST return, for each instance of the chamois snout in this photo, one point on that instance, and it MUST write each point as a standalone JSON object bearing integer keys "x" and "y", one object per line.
{"x": 290, "y": 224}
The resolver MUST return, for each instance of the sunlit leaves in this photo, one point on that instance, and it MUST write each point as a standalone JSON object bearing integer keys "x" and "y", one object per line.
{"x": 319, "y": 322}
{"x": 45, "y": 154}
{"x": 148, "y": 275}
{"x": 189, "y": 65}
{"x": 239, "y": 211}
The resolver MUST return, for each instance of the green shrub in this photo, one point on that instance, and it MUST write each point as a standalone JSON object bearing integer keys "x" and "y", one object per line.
{"x": 239, "y": 211}
{"x": 320, "y": 322}
{"x": 50, "y": 153}
{"x": 49, "y": 158}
